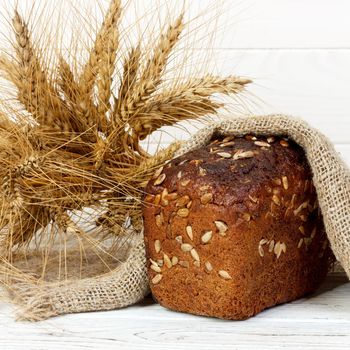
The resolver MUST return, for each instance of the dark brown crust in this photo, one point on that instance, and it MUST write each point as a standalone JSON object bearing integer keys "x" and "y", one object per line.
{"x": 250, "y": 195}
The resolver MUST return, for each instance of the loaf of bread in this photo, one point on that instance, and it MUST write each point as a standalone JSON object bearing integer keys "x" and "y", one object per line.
{"x": 234, "y": 227}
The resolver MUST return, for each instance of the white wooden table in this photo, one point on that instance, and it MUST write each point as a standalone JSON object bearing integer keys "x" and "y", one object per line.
{"x": 321, "y": 321}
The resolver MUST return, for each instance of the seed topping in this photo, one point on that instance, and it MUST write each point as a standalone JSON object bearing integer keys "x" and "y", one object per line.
{"x": 184, "y": 183}
{"x": 178, "y": 239}
{"x": 227, "y": 144}
{"x": 228, "y": 138}
{"x": 246, "y": 217}
{"x": 222, "y": 227}
{"x": 185, "y": 247}
{"x": 224, "y": 155}
{"x": 225, "y": 275}
{"x": 206, "y": 237}
{"x": 206, "y": 198}
{"x": 172, "y": 196}
{"x": 276, "y": 200}
{"x": 156, "y": 199}
{"x": 263, "y": 241}
{"x": 278, "y": 250}
{"x": 202, "y": 171}
{"x": 208, "y": 266}
{"x": 157, "y": 173}
{"x": 261, "y": 250}
{"x": 300, "y": 243}
{"x": 183, "y": 212}
{"x": 164, "y": 197}
{"x": 182, "y": 201}
{"x": 156, "y": 268}
{"x": 184, "y": 263}
{"x": 159, "y": 220}
{"x": 243, "y": 154}
{"x": 197, "y": 263}
{"x": 189, "y": 232}
{"x": 167, "y": 261}
{"x": 285, "y": 182}
{"x": 262, "y": 144}
{"x": 160, "y": 180}
{"x": 157, "y": 278}
{"x": 157, "y": 246}
{"x": 174, "y": 260}
{"x": 194, "y": 254}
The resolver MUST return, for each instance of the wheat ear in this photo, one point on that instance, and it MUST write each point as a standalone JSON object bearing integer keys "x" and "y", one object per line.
{"x": 171, "y": 113}
{"x": 106, "y": 47}
{"x": 128, "y": 80}
{"x": 101, "y": 57}
{"x": 89, "y": 74}
{"x": 189, "y": 100}
{"x": 34, "y": 89}
{"x": 153, "y": 70}
{"x": 66, "y": 81}
{"x": 70, "y": 89}
{"x": 203, "y": 87}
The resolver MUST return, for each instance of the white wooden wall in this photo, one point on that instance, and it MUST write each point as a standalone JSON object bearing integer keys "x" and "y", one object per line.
{"x": 297, "y": 52}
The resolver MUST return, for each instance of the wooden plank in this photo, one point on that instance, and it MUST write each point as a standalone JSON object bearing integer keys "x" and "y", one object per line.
{"x": 288, "y": 24}
{"x": 242, "y": 24}
{"x": 320, "y": 321}
{"x": 312, "y": 84}
{"x": 259, "y": 23}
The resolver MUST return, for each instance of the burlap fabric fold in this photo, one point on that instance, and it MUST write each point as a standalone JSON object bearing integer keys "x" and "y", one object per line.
{"x": 128, "y": 283}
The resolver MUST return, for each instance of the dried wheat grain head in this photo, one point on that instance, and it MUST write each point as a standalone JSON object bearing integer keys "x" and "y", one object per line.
{"x": 72, "y": 167}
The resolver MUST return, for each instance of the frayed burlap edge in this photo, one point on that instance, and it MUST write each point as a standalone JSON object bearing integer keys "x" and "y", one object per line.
{"x": 128, "y": 283}
{"x": 331, "y": 176}
{"x": 124, "y": 286}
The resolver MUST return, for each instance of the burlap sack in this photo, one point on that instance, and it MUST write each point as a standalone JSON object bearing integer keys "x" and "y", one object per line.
{"x": 124, "y": 286}
{"x": 128, "y": 283}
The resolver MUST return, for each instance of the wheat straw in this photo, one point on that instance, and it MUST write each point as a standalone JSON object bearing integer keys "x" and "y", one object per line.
{"x": 72, "y": 168}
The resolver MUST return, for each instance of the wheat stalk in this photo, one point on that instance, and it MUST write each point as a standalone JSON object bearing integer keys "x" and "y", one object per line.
{"x": 34, "y": 88}
{"x": 128, "y": 81}
{"x": 172, "y": 113}
{"x": 100, "y": 64}
{"x": 152, "y": 73}
{"x": 90, "y": 71}
{"x": 66, "y": 81}
{"x": 186, "y": 101}
{"x": 69, "y": 157}
{"x": 107, "y": 44}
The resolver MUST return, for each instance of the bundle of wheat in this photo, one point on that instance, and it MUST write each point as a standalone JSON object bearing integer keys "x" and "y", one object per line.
{"x": 71, "y": 164}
